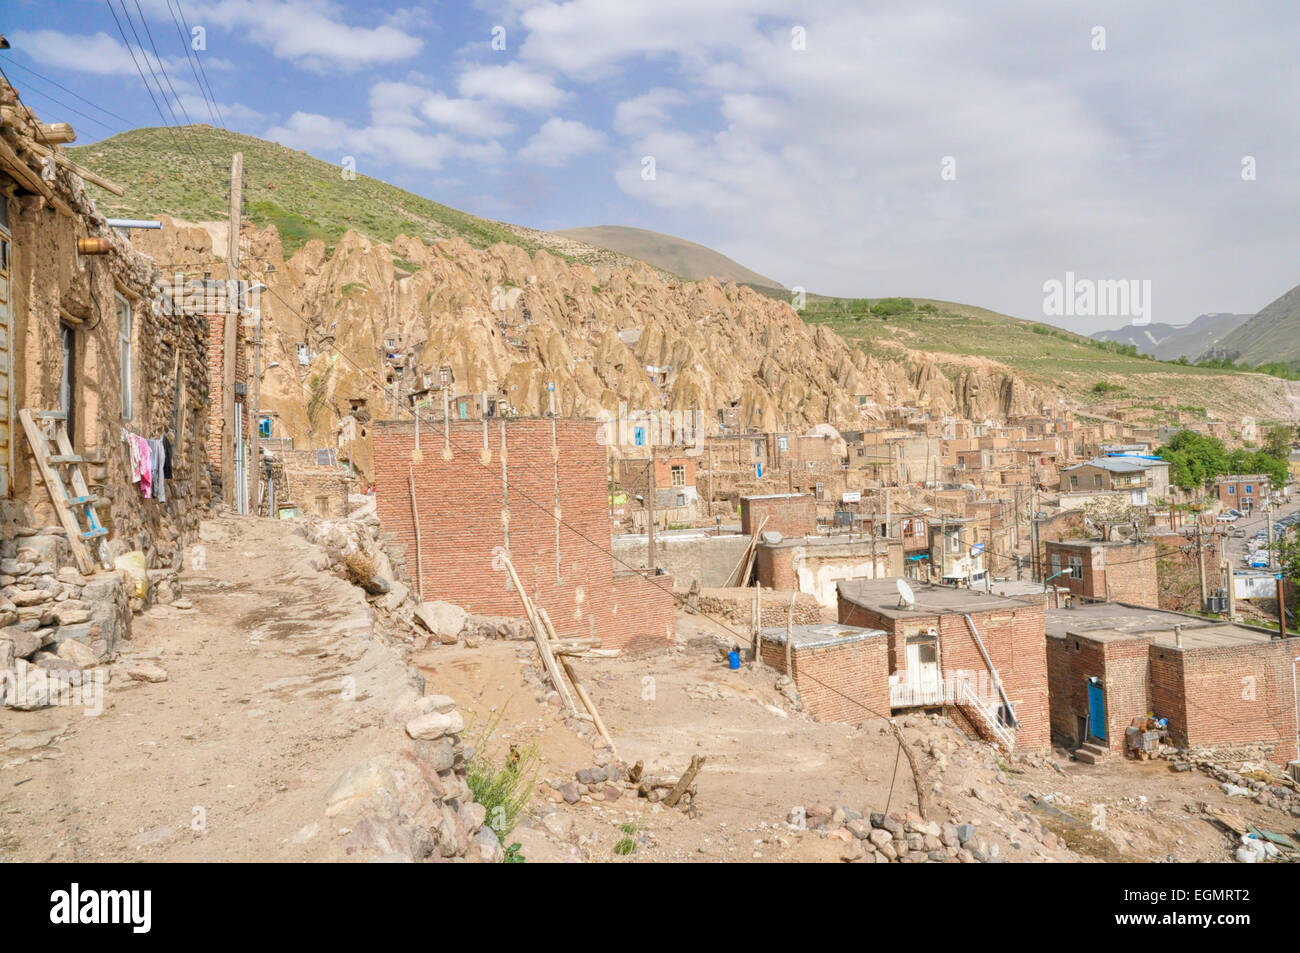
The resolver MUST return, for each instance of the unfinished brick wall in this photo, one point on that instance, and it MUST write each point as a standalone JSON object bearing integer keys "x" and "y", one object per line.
{"x": 537, "y": 490}
{"x": 1239, "y": 695}
{"x": 788, "y": 515}
{"x": 1123, "y": 669}
{"x": 847, "y": 682}
{"x": 216, "y": 378}
{"x": 1016, "y": 641}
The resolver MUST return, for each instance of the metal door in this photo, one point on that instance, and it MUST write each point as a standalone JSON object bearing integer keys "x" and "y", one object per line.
{"x": 1096, "y": 710}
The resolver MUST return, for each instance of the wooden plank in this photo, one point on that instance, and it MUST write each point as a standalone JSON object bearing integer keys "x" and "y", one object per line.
{"x": 12, "y": 163}
{"x": 540, "y": 636}
{"x": 684, "y": 784}
{"x": 61, "y": 160}
{"x": 58, "y": 495}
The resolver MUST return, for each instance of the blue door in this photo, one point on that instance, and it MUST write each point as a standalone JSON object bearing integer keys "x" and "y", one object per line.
{"x": 1096, "y": 711}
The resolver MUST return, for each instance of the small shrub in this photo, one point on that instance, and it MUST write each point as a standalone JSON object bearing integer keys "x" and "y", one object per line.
{"x": 504, "y": 788}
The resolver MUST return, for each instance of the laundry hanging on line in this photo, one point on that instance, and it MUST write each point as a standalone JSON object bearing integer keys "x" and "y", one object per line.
{"x": 150, "y": 464}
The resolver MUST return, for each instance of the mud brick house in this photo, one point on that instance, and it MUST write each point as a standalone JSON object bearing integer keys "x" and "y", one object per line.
{"x": 790, "y": 514}
{"x": 1226, "y": 690}
{"x": 309, "y": 481}
{"x": 841, "y": 671}
{"x": 1105, "y": 571}
{"x": 816, "y": 565}
{"x": 531, "y": 487}
{"x": 90, "y": 341}
{"x": 1242, "y": 492}
{"x": 1144, "y": 479}
{"x": 976, "y": 652}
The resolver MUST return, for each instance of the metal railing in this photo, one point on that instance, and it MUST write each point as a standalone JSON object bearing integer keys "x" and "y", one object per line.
{"x": 959, "y": 691}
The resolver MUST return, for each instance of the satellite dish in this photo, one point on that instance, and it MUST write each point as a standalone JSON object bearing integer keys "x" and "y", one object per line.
{"x": 906, "y": 598}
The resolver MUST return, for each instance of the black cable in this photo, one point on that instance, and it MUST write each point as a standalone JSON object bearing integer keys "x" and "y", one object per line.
{"x": 189, "y": 59}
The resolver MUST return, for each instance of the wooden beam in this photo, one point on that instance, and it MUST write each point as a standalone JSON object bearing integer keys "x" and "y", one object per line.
{"x": 61, "y": 160}
{"x": 12, "y": 163}
{"x": 57, "y": 133}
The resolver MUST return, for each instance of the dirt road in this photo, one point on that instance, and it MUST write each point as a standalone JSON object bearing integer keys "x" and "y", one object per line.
{"x": 274, "y": 687}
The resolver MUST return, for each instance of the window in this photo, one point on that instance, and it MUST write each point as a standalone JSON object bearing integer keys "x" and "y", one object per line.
{"x": 124, "y": 352}
{"x": 1096, "y": 479}
{"x": 679, "y": 475}
{"x": 264, "y": 427}
{"x": 783, "y": 443}
{"x": 638, "y": 436}
{"x": 1232, "y": 490}
{"x": 1056, "y": 564}
{"x": 681, "y": 499}
{"x": 1248, "y": 489}
{"x": 1076, "y": 567}
{"x": 1074, "y": 482}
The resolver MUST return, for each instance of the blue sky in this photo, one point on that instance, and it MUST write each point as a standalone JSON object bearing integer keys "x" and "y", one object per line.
{"x": 963, "y": 151}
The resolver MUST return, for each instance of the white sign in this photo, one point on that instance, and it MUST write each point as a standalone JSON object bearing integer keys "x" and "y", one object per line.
{"x": 852, "y": 496}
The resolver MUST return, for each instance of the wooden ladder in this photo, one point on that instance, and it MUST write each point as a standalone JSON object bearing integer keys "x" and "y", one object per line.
{"x": 76, "y": 512}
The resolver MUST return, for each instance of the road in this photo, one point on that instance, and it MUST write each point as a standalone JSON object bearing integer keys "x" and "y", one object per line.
{"x": 1236, "y": 546}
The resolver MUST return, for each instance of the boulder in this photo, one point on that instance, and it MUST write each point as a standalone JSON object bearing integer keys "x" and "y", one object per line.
{"x": 435, "y": 724}
{"x": 443, "y": 619}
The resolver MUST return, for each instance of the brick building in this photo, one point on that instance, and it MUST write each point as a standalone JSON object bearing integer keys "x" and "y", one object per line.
{"x": 1225, "y": 689}
{"x": 841, "y": 671}
{"x": 1242, "y": 492}
{"x": 934, "y": 651}
{"x": 1102, "y": 571}
{"x": 533, "y": 487}
{"x": 790, "y": 514}
{"x": 217, "y": 449}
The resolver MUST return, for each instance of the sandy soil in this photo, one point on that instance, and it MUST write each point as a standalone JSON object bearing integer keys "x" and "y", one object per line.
{"x": 231, "y": 757}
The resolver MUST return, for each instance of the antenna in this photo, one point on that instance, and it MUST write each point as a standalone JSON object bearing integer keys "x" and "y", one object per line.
{"x": 906, "y": 598}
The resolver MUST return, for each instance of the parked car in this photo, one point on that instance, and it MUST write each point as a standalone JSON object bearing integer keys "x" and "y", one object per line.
{"x": 1225, "y": 518}
{"x": 1238, "y": 532}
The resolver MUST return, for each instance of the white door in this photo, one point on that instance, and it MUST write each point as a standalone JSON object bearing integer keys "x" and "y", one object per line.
{"x": 923, "y": 671}
{"x": 241, "y": 477}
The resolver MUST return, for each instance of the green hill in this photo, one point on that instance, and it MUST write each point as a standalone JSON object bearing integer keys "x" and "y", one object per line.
{"x": 1271, "y": 336}
{"x": 304, "y": 197}
{"x": 675, "y": 255}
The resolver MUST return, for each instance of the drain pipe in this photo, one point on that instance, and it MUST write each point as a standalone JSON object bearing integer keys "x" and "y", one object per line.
{"x": 1178, "y": 635}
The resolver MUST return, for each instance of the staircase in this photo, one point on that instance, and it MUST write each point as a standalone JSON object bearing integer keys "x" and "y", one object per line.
{"x": 1092, "y": 752}
{"x": 984, "y": 718}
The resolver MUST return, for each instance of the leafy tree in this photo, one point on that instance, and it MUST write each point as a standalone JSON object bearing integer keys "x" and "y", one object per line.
{"x": 1277, "y": 442}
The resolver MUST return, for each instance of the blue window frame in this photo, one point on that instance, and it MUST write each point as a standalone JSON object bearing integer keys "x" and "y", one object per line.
{"x": 639, "y": 436}
{"x": 264, "y": 427}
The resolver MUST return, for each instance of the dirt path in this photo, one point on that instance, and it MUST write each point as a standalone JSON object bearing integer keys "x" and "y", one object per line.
{"x": 274, "y": 688}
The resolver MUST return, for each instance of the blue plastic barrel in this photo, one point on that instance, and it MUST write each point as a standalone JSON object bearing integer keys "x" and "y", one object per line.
{"x": 733, "y": 658}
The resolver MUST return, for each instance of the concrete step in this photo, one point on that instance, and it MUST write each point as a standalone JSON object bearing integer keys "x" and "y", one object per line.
{"x": 1091, "y": 753}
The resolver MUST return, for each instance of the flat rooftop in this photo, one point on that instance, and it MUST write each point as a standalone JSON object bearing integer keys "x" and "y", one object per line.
{"x": 1113, "y": 621}
{"x": 820, "y": 635}
{"x": 881, "y": 596}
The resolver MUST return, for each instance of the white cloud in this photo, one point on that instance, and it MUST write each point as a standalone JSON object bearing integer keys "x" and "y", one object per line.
{"x": 467, "y": 116}
{"x": 647, "y": 111}
{"x": 310, "y": 35}
{"x": 512, "y": 85}
{"x": 559, "y": 141}
{"x": 99, "y": 54}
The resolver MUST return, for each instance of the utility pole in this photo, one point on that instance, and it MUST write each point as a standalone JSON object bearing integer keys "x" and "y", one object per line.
{"x": 255, "y": 436}
{"x": 888, "y": 513}
{"x": 650, "y": 511}
{"x": 1033, "y": 529}
{"x": 229, "y": 339}
{"x": 1270, "y": 539}
{"x": 1200, "y": 559}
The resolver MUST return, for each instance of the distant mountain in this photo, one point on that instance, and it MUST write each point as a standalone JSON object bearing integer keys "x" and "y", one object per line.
{"x": 672, "y": 254}
{"x": 1169, "y": 342}
{"x": 1271, "y": 335}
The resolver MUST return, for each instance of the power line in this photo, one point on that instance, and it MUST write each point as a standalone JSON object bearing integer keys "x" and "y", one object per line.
{"x": 149, "y": 89}
{"x": 190, "y": 58}
{"x": 213, "y": 96}
{"x": 107, "y": 112}
{"x": 161, "y": 66}
{"x": 63, "y": 105}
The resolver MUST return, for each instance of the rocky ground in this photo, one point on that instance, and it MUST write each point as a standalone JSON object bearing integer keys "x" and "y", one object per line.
{"x": 778, "y": 786}
{"x": 264, "y": 723}
{"x": 278, "y": 713}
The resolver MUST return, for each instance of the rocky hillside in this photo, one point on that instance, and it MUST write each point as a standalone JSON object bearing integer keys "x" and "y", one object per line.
{"x": 511, "y": 323}
{"x": 1169, "y": 342}
{"x": 674, "y": 255}
{"x": 1271, "y": 335}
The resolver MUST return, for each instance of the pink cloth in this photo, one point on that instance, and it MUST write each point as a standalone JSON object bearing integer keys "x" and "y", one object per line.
{"x": 144, "y": 474}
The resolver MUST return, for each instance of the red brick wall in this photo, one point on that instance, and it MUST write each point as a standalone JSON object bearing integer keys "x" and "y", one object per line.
{"x": 787, "y": 515}
{"x": 1241, "y": 695}
{"x": 1016, "y": 641}
{"x": 1109, "y": 573}
{"x": 1122, "y": 667}
{"x": 216, "y": 376}
{"x": 467, "y": 509}
{"x": 826, "y": 675}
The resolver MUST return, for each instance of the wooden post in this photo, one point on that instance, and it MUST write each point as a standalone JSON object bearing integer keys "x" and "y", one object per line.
{"x": 789, "y": 637}
{"x": 419, "y": 554}
{"x": 229, "y": 339}
{"x": 757, "y": 628}
{"x": 1281, "y": 606}
{"x": 650, "y": 513}
{"x": 1200, "y": 559}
